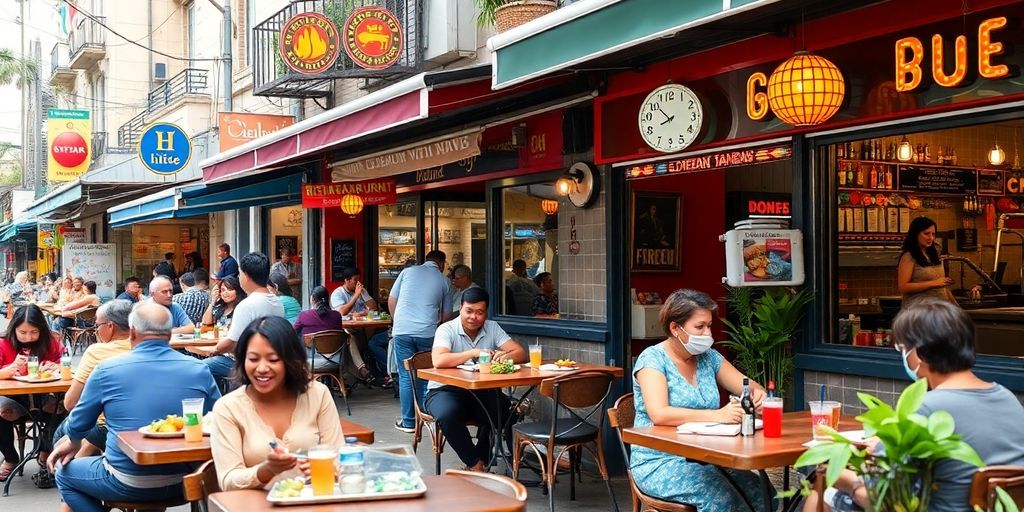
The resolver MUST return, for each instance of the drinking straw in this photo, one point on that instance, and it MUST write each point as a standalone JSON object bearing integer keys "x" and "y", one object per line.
{"x": 822, "y": 392}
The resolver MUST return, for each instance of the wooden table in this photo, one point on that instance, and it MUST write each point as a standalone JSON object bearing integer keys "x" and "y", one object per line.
{"x": 444, "y": 493}
{"x": 364, "y": 324}
{"x": 147, "y": 451}
{"x": 45, "y": 422}
{"x": 736, "y": 452}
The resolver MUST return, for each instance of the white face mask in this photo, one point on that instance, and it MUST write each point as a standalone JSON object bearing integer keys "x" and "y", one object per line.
{"x": 697, "y": 344}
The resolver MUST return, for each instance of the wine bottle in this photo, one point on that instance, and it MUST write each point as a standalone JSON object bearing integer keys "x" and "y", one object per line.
{"x": 747, "y": 403}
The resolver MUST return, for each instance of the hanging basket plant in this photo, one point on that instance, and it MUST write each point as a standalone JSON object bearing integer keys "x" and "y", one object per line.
{"x": 505, "y": 15}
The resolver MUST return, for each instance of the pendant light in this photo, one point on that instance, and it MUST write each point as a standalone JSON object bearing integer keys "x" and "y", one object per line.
{"x": 996, "y": 156}
{"x": 905, "y": 152}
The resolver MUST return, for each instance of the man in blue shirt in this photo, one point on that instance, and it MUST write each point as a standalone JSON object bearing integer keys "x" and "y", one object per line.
{"x": 132, "y": 290}
{"x": 420, "y": 300}
{"x": 228, "y": 266}
{"x": 161, "y": 290}
{"x": 130, "y": 391}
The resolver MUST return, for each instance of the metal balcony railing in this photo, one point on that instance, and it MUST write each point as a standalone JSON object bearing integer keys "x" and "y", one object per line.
{"x": 128, "y": 134}
{"x": 99, "y": 143}
{"x": 89, "y": 33}
{"x": 189, "y": 81}
{"x": 59, "y": 57}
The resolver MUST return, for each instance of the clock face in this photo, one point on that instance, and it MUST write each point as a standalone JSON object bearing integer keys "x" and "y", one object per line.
{"x": 670, "y": 118}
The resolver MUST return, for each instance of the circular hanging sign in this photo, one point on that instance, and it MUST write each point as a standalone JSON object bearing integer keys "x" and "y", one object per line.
{"x": 69, "y": 149}
{"x": 309, "y": 43}
{"x": 164, "y": 148}
{"x": 373, "y": 38}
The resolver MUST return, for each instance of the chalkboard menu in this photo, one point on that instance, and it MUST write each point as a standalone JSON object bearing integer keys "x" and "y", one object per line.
{"x": 343, "y": 255}
{"x": 938, "y": 180}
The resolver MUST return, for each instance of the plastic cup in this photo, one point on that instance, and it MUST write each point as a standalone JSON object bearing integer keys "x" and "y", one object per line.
{"x": 192, "y": 411}
{"x": 536, "y": 356}
{"x": 322, "y": 469}
{"x": 821, "y": 415}
{"x": 837, "y": 412}
{"x": 65, "y": 367}
{"x": 33, "y": 367}
{"x": 484, "y": 361}
{"x": 771, "y": 413}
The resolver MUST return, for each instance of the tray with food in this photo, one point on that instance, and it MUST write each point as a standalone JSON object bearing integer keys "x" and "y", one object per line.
{"x": 354, "y": 473}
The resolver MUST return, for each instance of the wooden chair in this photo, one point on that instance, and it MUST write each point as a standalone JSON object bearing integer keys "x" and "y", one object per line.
{"x": 199, "y": 485}
{"x": 327, "y": 345}
{"x": 500, "y": 484}
{"x": 620, "y": 417}
{"x": 83, "y": 333}
{"x": 983, "y": 486}
{"x": 585, "y": 391}
{"x": 423, "y": 361}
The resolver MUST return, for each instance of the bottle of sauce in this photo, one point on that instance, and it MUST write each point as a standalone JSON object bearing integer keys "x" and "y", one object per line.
{"x": 747, "y": 403}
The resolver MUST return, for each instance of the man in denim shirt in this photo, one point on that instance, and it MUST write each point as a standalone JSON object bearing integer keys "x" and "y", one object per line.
{"x": 420, "y": 300}
{"x": 132, "y": 390}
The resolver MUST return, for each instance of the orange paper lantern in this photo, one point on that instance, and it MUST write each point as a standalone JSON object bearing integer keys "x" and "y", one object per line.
{"x": 806, "y": 90}
{"x": 351, "y": 204}
{"x": 550, "y": 207}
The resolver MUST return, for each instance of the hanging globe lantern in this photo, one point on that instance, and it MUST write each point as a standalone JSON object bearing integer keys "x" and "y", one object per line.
{"x": 550, "y": 207}
{"x": 351, "y": 204}
{"x": 806, "y": 90}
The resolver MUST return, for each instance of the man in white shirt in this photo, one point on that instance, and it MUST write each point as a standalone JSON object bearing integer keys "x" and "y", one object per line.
{"x": 351, "y": 297}
{"x": 254, "y": 273}
{"x": 524, "y": 290}
{"x": 462, "y": 280}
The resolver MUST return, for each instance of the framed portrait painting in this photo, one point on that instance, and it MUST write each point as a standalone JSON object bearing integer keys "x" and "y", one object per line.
{"x": 655, "y": 228}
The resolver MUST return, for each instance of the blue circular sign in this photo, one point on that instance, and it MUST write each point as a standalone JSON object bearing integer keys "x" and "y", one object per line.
{"x": 164, "y": 148}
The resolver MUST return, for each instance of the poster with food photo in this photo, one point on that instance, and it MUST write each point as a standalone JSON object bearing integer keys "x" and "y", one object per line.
{"x": 768, "y": 260}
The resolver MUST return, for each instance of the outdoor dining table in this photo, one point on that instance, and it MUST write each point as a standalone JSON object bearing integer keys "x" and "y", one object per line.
{"x": 525, "y": 376}
{"x": 180, "y": 343}
{"x": 365, "y": 324}
{"x": 44, "y": 422}
{"x": 754, "y": 453}
{"x": 146, "y": 451}
{"x": 444, "y": 493}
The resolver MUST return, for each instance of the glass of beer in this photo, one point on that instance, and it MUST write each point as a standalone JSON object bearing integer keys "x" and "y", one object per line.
{"x": 536, "y": 355}
{"x": 322, "y": 460}
{"x": 837, "y": 411}
{"x": 192, "y": 411}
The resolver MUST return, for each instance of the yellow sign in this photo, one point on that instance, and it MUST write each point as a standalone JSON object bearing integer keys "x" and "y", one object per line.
{"x": 910, "y": 54}
{"x": 69, "y": 144}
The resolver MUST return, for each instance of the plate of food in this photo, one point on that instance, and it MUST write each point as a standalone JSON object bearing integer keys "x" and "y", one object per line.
{"x": 562, "y": 365}
{"x": 504, "y": 367}
{"x": 171, "y": 426}
{"x": 39, "y": 379}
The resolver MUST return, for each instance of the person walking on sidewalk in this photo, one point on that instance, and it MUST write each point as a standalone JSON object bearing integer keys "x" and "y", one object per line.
{"x": 419, "y": 301}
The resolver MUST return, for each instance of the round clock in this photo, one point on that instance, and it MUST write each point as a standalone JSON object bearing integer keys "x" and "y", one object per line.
{"x": 670, "y": 118}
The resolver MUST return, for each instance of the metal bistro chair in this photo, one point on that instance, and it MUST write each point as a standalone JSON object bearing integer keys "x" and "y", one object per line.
{"x": 423, "y": 361}
{"x": 983, "y": 486}
{"x": 500, "y": 484}
{"x": 200, "y": 485}
{"x": 585, "y": 391}
{"x": 83, "y": 333}
{"x": 621, "y": 417}
{"x": 326, "y": 345}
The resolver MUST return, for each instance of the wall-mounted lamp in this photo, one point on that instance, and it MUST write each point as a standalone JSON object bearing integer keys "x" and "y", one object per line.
{"x": 580, "y": 185}
{"x": 905, "y": 152}
{"x": 519, "y": 136}
{"x": 996, "y": 156}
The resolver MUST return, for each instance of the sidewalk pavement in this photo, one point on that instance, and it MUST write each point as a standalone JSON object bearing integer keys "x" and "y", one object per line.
{"x": 378, "y": 409}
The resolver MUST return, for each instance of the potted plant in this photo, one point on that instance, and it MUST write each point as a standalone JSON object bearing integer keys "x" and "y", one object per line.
{"x": 763, "y": 323}
{"x": 899, "y": 476}
{"x": 507, "y": 14}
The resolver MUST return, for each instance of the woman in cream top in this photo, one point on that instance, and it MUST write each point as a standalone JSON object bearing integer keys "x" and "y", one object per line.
{"x": 276, "y": 402}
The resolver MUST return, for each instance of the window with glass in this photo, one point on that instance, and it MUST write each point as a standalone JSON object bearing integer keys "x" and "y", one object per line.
{"x": 284, "y": 233}
{"x": 933, "y": 214}
{"x": 529, "y": 257}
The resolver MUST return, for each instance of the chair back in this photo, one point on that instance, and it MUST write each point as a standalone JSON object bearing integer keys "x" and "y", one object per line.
{"x": 498, "y": 483}
{"x": 199, "y": 485}
{"x": 585, "y": 391}
{"x": 326, "y": 342}
{"x": 419, "y": 361}
{"x": 620, "y": 417}
{"x": 87, "y": 317}
{"x": 983, "y": 486}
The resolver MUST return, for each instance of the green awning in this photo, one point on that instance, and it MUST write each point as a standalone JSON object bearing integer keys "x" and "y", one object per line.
{"x": 589, "y": 29}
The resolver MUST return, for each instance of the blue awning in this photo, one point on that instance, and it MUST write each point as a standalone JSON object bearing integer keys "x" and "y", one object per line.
{"x": 199, "y": 199}
{"x": 61, "y": 197}
{"x": 13, "y": 229}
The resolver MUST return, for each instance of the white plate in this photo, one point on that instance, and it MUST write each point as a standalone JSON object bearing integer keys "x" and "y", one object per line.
{"x": 29, "y": 380}
{"x": 551, "y": 367}
{"x": 207, "y": 426}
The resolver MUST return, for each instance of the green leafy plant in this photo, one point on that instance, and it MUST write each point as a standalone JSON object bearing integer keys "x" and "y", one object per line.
{"x": 1004, "y": 502}
{"x": 763, "y": 323}
{"x": 487, "y": 7}
{"x": 899, "y": 478}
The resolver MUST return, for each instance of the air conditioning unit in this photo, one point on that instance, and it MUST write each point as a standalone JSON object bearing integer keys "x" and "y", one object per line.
{"x": 451, "y": 30}
{"x": 160, "y": 71}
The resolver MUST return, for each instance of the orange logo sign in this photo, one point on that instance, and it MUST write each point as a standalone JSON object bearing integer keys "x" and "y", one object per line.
{"x": 309, "y": 43}
{"x": 373, "y": 37}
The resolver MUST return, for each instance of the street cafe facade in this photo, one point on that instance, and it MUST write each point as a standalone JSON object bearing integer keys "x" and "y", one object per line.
{"x": 928, "y": 122}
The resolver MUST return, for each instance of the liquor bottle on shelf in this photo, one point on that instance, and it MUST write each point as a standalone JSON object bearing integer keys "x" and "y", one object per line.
{"x": 841, "y": 151}
{"x": 874, "y": 176}
{"x": 927, "y": 154}
{"x": 850, "y": 180}
{"x": 888, "y": 178}
{"x": 953, "y": 159}
{"x": 939, "y": 157}
{"x": 861, "y": 176}
{"x": 842, "y": 175}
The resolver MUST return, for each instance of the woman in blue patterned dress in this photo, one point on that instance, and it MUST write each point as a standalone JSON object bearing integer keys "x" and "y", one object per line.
{"x": 676, "y": 381}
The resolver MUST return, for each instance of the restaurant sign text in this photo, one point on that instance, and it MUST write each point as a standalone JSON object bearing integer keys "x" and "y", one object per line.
{"x": 710, "y": 161}
{"x": 414, "y": 158}
{"x": 328, "y": 195}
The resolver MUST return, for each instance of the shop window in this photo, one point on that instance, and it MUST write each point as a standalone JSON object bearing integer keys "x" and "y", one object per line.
{"x": 883, "y": 187}
{"x": 397, "y": 241}
{"x": 285, "y": 237}
{"x": 529, "y": 261}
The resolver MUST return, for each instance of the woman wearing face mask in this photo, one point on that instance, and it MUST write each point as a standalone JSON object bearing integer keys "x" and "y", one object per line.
{"x": 276, "y": 402}
{"x": 676, "y": 381}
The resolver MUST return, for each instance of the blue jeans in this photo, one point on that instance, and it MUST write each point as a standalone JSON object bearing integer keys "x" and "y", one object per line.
{"x": 406, "y": 347}
{"x": 85, "y": 483}
{"x": 220, "y": 366}
{"x": 379, "y": 349}
{"x": 97, "y": 436}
